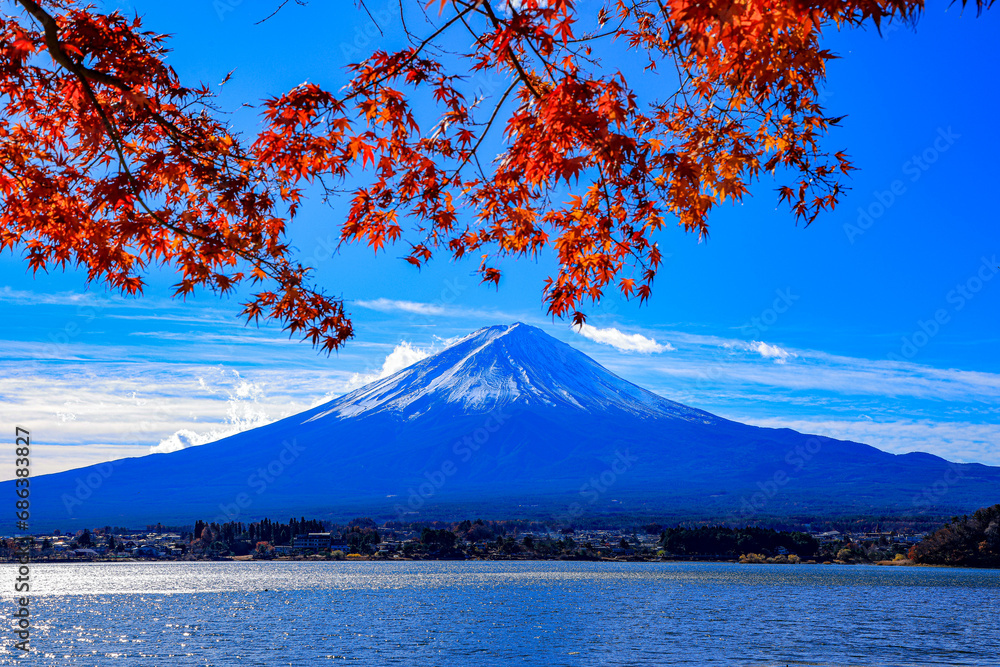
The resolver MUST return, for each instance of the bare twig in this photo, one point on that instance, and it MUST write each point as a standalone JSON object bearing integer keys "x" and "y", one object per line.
{"x": 377, "y": 26}
{"x": 272, "y": 14}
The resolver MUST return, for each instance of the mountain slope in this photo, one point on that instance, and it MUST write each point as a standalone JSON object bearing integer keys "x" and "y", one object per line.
{"x": 509, "y": 422}
{"x": 504, "y": 366}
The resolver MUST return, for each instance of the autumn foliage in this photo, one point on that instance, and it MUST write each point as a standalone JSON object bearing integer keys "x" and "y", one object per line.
{"x": 109, "y": 162}
{"x": 969, "y": 541}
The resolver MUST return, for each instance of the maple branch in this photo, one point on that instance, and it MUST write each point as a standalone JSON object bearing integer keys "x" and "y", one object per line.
{"x": 478, "y": 38}
{"x": 15, "y": 175}
{"x": 54, "y": 46}
{"x": 482, "y": 136}
{"x": 489, "y": 123}
{"x": 407, "y": 61}
{"x": 51, "y": 30}
{"x": 123, "y": 161}
{"x": 548, "y": 66}
{"x": 510, "y": 53}
{"x": 85, "y": 75}
{"x": 175, "y": 185}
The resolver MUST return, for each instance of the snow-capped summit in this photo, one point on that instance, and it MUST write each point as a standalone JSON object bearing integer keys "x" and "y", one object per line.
{"x": 506, "y": 365}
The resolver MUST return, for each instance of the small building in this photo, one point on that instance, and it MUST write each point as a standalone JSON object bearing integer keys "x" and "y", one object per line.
{"x": 314, "y": 541}
{"x": 828, "y": 536}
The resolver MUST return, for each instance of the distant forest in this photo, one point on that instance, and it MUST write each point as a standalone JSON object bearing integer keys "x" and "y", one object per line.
{"x": 733, "y": 542}
{"x": 969, "y": 541}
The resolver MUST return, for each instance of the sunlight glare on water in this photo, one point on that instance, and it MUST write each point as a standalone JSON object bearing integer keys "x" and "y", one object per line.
{"x": 499, "y": 613}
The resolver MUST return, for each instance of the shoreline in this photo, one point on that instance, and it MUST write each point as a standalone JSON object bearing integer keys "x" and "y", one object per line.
{"x": 366, "y": 559}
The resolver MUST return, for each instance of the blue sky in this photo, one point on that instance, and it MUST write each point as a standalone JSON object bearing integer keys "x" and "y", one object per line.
{"x": 878, "y": 323}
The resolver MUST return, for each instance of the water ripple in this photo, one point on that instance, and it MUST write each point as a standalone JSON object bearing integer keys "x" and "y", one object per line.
{"x": 500, "y": 613}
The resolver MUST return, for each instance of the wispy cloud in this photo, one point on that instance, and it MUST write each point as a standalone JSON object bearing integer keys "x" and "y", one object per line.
{"x": 201, "y": 319}
{"x": 622, "y": 341}
{"x": 445, "y": 309}
{"x": 238, "y": 336}
{"x": 394, "y": 306}
{"x": 49, "y": 458}
{"x": 59, "y": 298}
{"x": 957, "y": 441}
{"x": 138, "y": 407}
{"x": 131, "y": 399}
{"x": 245, "y": 411}
{"x": 402, "y": 356}
{"x": 848, "y": 377}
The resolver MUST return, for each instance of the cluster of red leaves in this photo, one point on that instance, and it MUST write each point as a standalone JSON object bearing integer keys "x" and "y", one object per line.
{"x": 108, "y": 162}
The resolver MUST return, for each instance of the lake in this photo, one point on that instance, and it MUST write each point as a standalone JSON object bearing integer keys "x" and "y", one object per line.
{"x": 503, "y": 613}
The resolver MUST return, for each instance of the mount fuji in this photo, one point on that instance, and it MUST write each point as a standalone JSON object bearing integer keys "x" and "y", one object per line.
{"x": 509, "y": 422}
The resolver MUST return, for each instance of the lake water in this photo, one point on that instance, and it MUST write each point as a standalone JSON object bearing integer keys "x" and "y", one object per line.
{"x": 507, "y": 613}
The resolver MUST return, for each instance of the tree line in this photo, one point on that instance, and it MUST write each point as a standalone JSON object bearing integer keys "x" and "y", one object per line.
{"x": 968, "y": 541}
{"x": 734, "y": 542}
{"x": 238, "y": 539}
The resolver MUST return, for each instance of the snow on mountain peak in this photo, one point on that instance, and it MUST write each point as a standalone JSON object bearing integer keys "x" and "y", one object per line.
{"x": 505, "y": 365}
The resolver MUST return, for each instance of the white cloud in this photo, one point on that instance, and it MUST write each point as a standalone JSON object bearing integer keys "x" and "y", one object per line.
{"x": 244, "y": 412}
{"x": 180, "y": 440}
{"x": 247, "y": 336}
{"x": 204, "y": 317}
{"x": 816, "y": 372}
{"x": 779, "y": 355}
{"x": 50, "y": 458}
{"x": 402, "y": 356}
{"x": 445, "y": 308}
{"x": 96, "y": 299}
{"x": 60, "y": 298}
{"x": 90, "y": 410}
{"x": 963, "y": 442}
{"x": 622, "y": 341}
{"x": 393, "y": 306}
{"x": 97, "y": 402}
